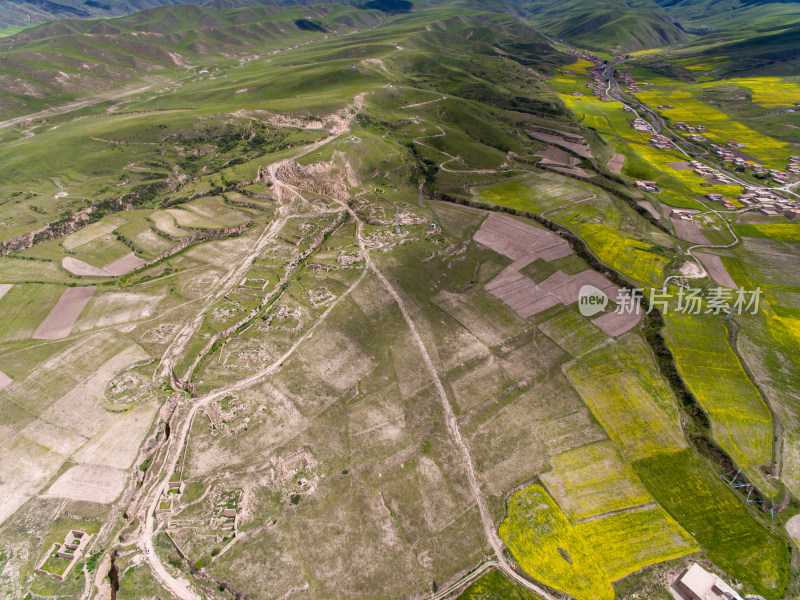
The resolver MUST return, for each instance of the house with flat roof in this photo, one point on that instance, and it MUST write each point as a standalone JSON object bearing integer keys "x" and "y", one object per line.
{"x": 695, "y": 583}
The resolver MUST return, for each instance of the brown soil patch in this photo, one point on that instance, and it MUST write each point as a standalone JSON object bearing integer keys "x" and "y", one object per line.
{"x": 4, "y": 287}
{"x": 616, "y": 162}
{"x": 528, "y": 298}
{"x": 681, "y": 166}
{"x": 82, "y": 269}
{"x": 126, "y": 264}
{"x": 554, "y": 155}
{"x": 716, "y": 268}
{"x": 519, "y": 241}
{"x": 689, "y": 231}
{"x": 61, "y": 319}
{"x": 615, "y": 323}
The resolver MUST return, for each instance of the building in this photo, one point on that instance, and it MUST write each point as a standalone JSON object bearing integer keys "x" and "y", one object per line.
{"x": 792, "y": 213}
{"x": 71, "y": 549}
{"x": 770, "y": 211}
{"x": 647, "y": 186}
{"x": 695, "y": 583}
{"x": 660, "y": 142}
{"x": 715, "y": 197}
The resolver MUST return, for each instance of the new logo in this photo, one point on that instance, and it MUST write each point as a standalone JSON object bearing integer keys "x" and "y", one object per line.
{"x": 591, "y": 301}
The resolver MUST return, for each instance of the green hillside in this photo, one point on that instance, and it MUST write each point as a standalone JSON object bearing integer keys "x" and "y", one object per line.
{"x": 600, "y": 25}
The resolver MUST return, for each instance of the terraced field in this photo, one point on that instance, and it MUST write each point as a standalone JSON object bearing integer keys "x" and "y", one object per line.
{"x": 272, "y": 302}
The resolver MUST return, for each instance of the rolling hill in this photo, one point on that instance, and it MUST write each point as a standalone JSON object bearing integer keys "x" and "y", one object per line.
{"x": 614, "y": 25}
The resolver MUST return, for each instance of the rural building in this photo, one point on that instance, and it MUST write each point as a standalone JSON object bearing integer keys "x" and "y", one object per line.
{"x": 71, "y": 549}
{"x": 681, "y": 212}
{"x": 715, "y": 197}
{"x": 695, "y": 583}
{"x": 647, "y": 186}
{"x": 660, "y": 142}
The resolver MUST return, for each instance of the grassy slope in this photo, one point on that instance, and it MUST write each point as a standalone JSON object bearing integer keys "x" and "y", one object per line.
{"x": 613, "y": 26}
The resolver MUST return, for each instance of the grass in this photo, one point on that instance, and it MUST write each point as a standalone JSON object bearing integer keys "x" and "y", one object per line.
{"x": 718, "y": 519}
{"x": 573, "y": 332}
{"x": 24, "y": 307}
{"x": 782, "y": 232}
{"x": 550, "y": 549}
{"x": 495, "y": 586}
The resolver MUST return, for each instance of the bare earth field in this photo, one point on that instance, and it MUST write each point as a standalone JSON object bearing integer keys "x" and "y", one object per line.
{"x": 61, "y": 319}
{"x": 124, "y": 265}
{"x": 81, "y": 268}
{"x": 689, "y": 231}
{"x": 616, "y": 163}
{"x": 89, "y": 483}
{"x": 717, "y": 269}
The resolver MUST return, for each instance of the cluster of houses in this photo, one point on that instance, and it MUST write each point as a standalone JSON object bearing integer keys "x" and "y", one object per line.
{"x": 781, "y": 177}
{"x": 714, "y": 197}
{"x": 626, "y": 78}
{"x": 660, "y": 142}
{"x": 710, "y": 173}
{"x": 764, "y": 201}
{"x": 598, "y": 83}
{"x": 657, "y": 141}
{"x": 694, "y": 131}
{"x": 690, "y": 128}
{"x": 769, "y": 204}
{"x": 685, "y": 214}
{"x": 642, "y": 126}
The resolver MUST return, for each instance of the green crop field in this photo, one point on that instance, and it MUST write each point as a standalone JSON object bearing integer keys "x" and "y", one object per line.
{"x": 782, "y": 232}
{"x": 719, "y": 520}
{"x": 495, "y": 586}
